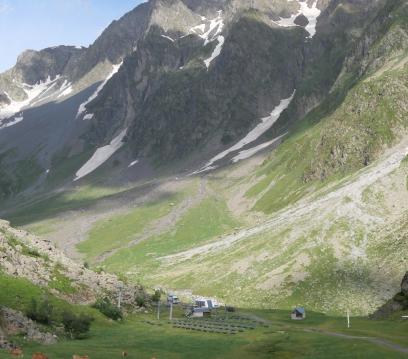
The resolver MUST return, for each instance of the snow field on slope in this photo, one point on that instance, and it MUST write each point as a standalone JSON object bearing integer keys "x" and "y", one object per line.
{"x": 265, "y": 124}
{"x": 82, "y": 106}
{"x": 214, "y": 29}
{"x": 310, "y": 13}
{"x": 33, "y": 92}
{"x": 101, "y": 155}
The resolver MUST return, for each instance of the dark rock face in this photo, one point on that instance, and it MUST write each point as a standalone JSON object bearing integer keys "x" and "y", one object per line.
{"x": 175, "y": 110}
{"x": 37, "y": 66}
{"x": 118, "y": 40}
{"x": 301, "y": 20}
{"x": 396, "y": 304}
{"x": 404, "y": 285}
{"x": 4, "y": 100}
{"x": 174, "y": 105}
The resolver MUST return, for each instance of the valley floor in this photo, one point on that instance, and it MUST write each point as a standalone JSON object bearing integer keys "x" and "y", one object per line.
{"x": 318, "y": 336}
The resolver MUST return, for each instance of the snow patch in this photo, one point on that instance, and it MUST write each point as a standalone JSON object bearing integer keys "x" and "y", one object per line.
{"x": 200, "y": 28}
{"x": 89, "y": 116}
{"x": 82, "y": 107}
{"x": 15, "y": 121}
{"x": 265, "y": 124}
{"x": 133, "y": 163}
{"x": 209, "y": 32}
{"x": 33, "y": 92}
{"x": 216, "y": 52}
{"x": 65, "y": 89}
{"x": 101, "y": 155}
{"x": 311, "y": 13}
{"x": 167, "y": 37}
{"x": 243, "y": 155}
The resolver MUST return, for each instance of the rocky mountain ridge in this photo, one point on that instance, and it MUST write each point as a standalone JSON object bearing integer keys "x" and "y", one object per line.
{"x": 169, "y": 74}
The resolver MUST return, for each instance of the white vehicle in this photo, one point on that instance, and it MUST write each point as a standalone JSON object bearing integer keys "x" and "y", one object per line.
{"x": 209, "y": 303}
{"x": 172, "y": 299}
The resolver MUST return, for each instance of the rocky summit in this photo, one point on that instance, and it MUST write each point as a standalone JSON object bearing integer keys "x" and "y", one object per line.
{"x": 251, "y": 154}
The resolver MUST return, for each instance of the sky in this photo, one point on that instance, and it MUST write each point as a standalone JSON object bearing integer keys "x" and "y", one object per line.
{"x": 37, "y": 24}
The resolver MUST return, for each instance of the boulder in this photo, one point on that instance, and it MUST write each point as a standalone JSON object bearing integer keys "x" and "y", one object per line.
{"x": 397, "y": 303}
{"x": 301, "y": 20}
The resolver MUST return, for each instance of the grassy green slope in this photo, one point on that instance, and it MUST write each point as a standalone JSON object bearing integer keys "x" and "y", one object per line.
{"x": 204, "y": 222}
{"x": 119, "y": 230}
{"x": 17, "y": 293}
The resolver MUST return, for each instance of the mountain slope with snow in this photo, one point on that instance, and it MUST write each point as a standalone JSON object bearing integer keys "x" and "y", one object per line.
{"x": 175, "y": 85}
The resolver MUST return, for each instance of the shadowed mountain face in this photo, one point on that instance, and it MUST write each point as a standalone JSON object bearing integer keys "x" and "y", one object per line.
{"x": 183, "y": 79}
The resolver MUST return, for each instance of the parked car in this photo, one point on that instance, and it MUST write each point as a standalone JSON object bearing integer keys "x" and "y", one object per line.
{"x": 172, "y": 299}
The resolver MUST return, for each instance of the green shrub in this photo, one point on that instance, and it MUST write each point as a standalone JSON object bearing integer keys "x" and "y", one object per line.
{"x": 106, "y": 307}
{"x": 76, "y": 326}
{"x": 40, "y": 312}
{"x": 141, "y": 300}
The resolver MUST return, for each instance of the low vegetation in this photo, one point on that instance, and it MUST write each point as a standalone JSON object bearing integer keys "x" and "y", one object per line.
{"x": 273, "y": 334}
{"x": 76, "y": 325}
{"x": 41, "y": 312}
{"x": 105, "y": 306}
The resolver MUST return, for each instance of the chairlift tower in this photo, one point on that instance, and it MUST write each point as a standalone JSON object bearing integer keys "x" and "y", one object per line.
{"x": 120, "y": 290}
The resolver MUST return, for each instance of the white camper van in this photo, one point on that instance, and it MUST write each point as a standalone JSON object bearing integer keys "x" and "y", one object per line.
{"x": 209, "y": 303}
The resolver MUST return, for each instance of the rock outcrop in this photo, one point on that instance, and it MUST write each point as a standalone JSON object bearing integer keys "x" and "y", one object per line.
{"x": 26, "y": 256}
{"x": 16, "y": 323}
{"x": 396, "y": 304}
